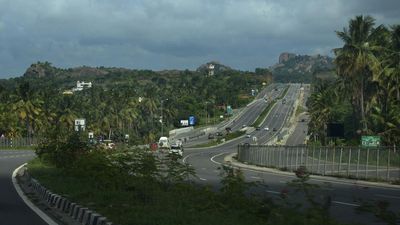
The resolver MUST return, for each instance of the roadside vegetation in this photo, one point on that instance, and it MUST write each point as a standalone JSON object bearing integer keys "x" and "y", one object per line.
{"x": 120, "y": 101}
{"x": 135, "y": 186}
{"x": 365, "y": 94}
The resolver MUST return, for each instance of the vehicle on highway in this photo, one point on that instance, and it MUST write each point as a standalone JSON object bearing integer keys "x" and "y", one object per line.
{"x": 248, "y": 135}
{"x": 163, "y": 143}
{"x": 266, "y": 128}
{"x": 274, "y": 129}
{"x": 211, "y": 136}
{"x": 219, "y": 134}
{"x": 176, "y": 148}
{"x": 258, "y": 128}
{"x": 244, "y": 125}
{"x": 228, "y": 130}
{"x": 108, "y": 144}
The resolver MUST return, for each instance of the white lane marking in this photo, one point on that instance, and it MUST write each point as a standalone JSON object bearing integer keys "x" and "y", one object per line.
{"x": 387, "y": 196}
{"x": 257, "y": 178}
{"x": 203, "y": 179}
{"x": 345, "y": 203}
{"x": 185, "y": 158}
{"x": 273, "y": 192}
{"x": 212, "y": 158}
{"x": 39, "y": 212}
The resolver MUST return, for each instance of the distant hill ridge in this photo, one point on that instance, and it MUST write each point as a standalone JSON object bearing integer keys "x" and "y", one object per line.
{"x": 299, "y": 68}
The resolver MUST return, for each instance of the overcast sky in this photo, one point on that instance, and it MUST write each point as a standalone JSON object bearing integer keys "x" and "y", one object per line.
{"x": 174, "y": 34}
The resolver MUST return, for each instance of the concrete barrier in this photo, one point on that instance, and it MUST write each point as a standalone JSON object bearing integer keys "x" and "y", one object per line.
{"x": 79, "y": 213}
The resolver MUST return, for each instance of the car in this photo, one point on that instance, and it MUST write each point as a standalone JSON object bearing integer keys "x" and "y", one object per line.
{"x": 219, "y": 134}
{"x": 176, "y": 149}
{"x": 211, "y": 136}
{"x": 163, "y": 143}
{"x": 266, "y": 128}
{"x": 258, "y": 128}
{"x": 303, "y": 120}
{"x": 244, "y": 125}
{"x": 274, "y": 129}
{"x": 248, "y": 135}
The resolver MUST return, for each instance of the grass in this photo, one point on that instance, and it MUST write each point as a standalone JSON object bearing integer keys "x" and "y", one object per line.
{"x": 227, "y": 137}
{"x": 144, "y": 202}
{"x": 264, "y": 114}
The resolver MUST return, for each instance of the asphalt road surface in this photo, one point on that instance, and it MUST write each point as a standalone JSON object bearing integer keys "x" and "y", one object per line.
{"x": 346, "y": 196}
{"x": 13, "y": 211}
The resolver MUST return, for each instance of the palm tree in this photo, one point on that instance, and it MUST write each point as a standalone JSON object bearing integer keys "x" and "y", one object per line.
{"x": 356, "y": 61}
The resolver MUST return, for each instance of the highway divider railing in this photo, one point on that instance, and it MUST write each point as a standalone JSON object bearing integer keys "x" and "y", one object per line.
{"x": 372, "y": 163}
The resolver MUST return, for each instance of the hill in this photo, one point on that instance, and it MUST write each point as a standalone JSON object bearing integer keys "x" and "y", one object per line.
{"x": 299, "y": 68}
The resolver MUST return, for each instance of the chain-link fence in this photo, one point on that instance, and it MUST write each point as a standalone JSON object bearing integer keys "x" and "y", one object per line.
{"x": 17, "y": 142}
{"x": 381, "y": 163}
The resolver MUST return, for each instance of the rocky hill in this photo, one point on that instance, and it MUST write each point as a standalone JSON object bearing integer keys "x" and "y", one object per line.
{"x": 299, "y": 68}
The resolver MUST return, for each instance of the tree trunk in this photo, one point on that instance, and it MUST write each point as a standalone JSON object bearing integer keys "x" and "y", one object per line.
{"x": 364, "y": 122}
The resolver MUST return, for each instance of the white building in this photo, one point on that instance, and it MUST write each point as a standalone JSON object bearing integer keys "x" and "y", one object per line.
{"x": 211, "y": 69}
{"x": 82, "y": 85}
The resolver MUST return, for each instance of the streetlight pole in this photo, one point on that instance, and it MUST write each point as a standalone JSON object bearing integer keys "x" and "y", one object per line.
{"x": 161, "y": 117}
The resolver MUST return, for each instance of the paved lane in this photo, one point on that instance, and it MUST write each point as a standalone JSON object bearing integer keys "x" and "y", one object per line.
{"x": 13, "y": 211}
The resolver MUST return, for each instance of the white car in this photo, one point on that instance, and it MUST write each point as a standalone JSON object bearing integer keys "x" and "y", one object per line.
{"x": 266, "y": 128}
{"x": 176, "y": 149}
{"x": 163, "y": 143}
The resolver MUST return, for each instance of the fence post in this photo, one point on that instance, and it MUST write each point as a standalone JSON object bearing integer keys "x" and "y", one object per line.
{"x": 340, "y": 160}
{"x": 348, "y": 165}
{"x": 388, "y": 165}
{"x": 377, "y": 163}
{"x": 287, "y": 158}
{"x": 297, "y": 158}
{"x": 319, "y": 159}
{"x": 333, "y": 160}
{"x": 358, "y": 161}
{"x": 366, "y": 165}
{"x": 326, "y": 159}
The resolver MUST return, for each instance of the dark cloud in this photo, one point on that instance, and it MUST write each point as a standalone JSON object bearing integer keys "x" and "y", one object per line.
{"x": 166, "y": 34}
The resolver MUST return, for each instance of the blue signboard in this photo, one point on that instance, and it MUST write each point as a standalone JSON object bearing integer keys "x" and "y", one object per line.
{"x": 229, "y": 110}
{"x": 192, "y": 120}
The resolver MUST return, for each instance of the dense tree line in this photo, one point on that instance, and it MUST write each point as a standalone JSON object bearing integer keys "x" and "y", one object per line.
{"x": 365, "y": 96}
{"x": 30, "y": 105}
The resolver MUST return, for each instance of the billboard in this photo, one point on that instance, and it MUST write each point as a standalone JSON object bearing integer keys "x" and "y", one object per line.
{"x": 184, "y": 123}
{"x": 192, "y": 120}
{"x": 335, "y": 130}
{"x": 229, "y": 110}
{"x": 370, "y": 141}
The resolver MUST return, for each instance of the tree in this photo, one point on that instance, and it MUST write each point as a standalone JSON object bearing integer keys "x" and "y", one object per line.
{"x": 356, "y": 62}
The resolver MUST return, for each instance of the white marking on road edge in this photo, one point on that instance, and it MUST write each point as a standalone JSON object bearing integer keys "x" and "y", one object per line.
{"x": 273, "y": 192}
{"x": 345, "y": 203}
{"x": 387, "y": 196}
{"x": 203, "y": 179}
{"x": 258, "y": 178}
{"x": 212, "y": 158}
{"x": 39, "y": 212}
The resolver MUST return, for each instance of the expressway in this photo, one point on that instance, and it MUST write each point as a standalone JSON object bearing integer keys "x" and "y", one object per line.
{"x": 13, "y": 211}
{"x": 345, "y": 194}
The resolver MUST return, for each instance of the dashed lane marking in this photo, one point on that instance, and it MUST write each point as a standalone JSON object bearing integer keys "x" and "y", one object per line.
{"x": 203, "y": 179}
{"x": 387, "y": 196}
{"x": 345, "y": 203}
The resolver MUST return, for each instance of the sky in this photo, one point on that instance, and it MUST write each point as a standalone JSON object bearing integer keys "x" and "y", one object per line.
{"x": 174, "y": 34}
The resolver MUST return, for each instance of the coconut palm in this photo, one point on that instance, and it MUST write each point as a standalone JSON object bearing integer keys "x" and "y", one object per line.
{"x": 356, "y": 61}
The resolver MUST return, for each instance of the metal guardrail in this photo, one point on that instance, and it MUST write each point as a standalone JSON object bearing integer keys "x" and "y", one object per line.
{"x": 17, "y": 142}
{"x": 381, "y": 163}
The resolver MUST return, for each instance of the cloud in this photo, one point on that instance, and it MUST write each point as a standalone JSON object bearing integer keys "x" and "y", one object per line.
{"x": 178, "y": 34}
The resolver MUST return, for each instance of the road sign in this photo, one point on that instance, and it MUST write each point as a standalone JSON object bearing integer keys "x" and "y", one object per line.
{"x": 192, "y": 120}
{"x": 80, "y": 124}
{"x": 229, "y": 110}
{"x": 370, "y": 141}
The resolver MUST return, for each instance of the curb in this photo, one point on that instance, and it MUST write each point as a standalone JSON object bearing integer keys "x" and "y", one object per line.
{"x": 78, "y": 213}
{"x": 230, "y": 160}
